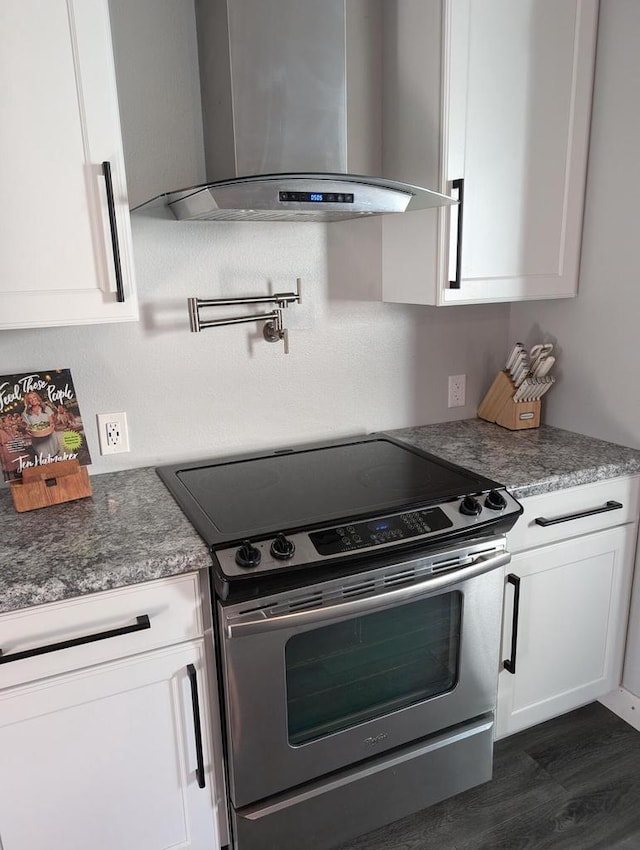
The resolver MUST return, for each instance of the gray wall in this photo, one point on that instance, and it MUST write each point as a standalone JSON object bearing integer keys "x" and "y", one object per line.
{"x": 356, "y": 365}
{"x": 597, "y": 333}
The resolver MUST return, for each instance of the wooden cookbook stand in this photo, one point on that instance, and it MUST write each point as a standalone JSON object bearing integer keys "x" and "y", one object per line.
{"x": 42, "y": 486}
{"x": 498, "y": 406}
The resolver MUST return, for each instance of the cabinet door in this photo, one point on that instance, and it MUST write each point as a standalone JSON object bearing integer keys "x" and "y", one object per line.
{"x": 513, "y": 105}
{"x": 60, "y": 123}
{"x": 519, "y": 93}
{"x": 570, "y": 626}
{"x": 106, "y": 758}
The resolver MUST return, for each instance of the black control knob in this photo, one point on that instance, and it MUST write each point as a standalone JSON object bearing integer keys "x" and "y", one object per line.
{"x": 282, "y": 548}
{"x": 495, "y": 501}
{"x": 248, "y": 555}
{"x": 470, "y": 506}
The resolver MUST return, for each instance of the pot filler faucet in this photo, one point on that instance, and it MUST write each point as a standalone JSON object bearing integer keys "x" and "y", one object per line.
{"x": 273, "y": 330}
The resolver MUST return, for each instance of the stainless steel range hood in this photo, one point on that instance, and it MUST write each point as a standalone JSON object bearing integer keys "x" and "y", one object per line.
{"x": 293, "y": 114}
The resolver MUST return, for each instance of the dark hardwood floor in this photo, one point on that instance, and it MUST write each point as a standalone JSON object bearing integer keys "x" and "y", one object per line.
{"x": 572, "y": 783}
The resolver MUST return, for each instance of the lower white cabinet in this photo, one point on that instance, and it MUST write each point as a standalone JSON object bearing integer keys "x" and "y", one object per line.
{"x": 567, "y": 603}
{"x": 111, "y": 756}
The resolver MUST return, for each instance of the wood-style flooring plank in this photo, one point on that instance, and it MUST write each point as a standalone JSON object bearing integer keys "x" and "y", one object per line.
{"x": 572, "y": 783}
{"x": 603, "y": 749}
{"x": 598, "y": 820}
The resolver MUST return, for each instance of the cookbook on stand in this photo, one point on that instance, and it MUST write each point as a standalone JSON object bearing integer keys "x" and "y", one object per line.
{"x": 43, "y": 446}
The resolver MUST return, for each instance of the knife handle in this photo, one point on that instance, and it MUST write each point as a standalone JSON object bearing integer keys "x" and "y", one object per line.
{"x": 544, "y": 366}
{"x": 511, "y": 359}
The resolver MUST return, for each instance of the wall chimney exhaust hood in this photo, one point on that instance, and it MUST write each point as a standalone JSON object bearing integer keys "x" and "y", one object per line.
{"x": 293, "y": 114}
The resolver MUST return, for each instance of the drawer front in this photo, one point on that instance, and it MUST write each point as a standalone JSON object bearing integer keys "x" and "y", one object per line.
{"x": 100, "y": 627}
{"x": 581, "y": 510}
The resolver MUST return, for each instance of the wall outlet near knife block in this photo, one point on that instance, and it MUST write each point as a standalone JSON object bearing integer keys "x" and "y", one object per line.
{"x": 514, "y": 398}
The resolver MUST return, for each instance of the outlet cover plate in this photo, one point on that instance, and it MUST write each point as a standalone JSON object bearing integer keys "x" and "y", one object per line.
{"x": 113, "y": 433}
{"x": 457, "y": 390}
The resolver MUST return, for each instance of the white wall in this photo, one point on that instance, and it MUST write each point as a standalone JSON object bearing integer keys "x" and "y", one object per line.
{"x": 597, "y": 333}
{"x": 356, "y": 365}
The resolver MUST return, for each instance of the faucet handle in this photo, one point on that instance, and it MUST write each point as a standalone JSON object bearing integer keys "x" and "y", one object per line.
{"x": 273, "y": 331}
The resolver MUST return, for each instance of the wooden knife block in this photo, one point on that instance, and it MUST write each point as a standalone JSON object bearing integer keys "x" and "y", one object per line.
{"x": 42, "y": 486}
{"x": 498, "y": 406}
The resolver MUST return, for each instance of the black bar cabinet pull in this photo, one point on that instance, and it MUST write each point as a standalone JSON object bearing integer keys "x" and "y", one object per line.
{"x": 510, "y": 663}
{"x": 113, "y": 226}
{"x": 610, "y": 506}
{"x": 191, "y": 672}
{"x": 459, "y": 185}
{"x": 142, "y": 622}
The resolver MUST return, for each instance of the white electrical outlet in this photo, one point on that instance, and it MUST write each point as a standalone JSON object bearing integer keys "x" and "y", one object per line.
{"x": 113, "y": 434}
{"x": 457, "y": 390}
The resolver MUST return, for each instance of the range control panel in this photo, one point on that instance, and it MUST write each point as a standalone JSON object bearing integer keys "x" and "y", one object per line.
{"x": 347, "y": 538}
{"x": 457, "y": 516}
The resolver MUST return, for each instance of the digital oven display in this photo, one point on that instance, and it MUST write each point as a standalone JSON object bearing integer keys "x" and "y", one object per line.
{"x": 391, "y": 529}
{"x": 318, "y": 197}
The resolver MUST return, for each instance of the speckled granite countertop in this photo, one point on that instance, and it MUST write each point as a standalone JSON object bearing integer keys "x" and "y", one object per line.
{"x": 131, "y": 530}
{"x": 528, "y": 462}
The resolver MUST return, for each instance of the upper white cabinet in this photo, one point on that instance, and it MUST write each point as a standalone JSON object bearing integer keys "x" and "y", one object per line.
{"x": 65, "y": 236}
{"x": 512, "y": 100}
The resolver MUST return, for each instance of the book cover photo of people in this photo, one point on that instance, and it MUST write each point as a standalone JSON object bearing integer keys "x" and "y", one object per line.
{"x": 40, "y": 422}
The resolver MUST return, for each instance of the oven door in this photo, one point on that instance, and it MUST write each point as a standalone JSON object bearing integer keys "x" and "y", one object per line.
{"x": 334, "y": 673}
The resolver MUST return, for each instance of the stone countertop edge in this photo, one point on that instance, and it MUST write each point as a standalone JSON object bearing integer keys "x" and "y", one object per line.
{"x": 131, "y": 530}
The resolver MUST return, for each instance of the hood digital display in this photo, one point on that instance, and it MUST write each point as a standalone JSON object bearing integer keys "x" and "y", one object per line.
{"x": 318, "y": 197}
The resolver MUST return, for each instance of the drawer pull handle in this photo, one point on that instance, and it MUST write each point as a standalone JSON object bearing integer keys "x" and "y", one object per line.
{"x": 459, "y": 185}
{"x": 610, "y": 506}
{"x": 142, "y": 622}
{"x": 197, "y": 728}
{"x": 113, "y": 226}
{"x": 510, "y": 663}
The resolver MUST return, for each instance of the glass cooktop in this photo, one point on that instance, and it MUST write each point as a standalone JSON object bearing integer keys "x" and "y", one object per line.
{"x": 303, "y": 488}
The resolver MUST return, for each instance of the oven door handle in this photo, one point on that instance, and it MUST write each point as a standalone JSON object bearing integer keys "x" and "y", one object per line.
{"x": 255, "y": 623}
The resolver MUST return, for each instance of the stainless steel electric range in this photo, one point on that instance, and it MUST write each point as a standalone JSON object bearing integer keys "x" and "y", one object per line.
{"x": 358, "y": 593}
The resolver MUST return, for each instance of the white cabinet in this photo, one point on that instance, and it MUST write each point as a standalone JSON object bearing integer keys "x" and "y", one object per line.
{"x": 566, "y": 601}
{"x": 513, "y": 104}
{"x": 114, "y": 753}
{"x": 60, "y": 124}
{"x": 631, "y": 677}
{"x": 570, "y": 626}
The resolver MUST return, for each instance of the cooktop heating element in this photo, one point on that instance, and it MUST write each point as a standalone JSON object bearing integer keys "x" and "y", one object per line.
{"x": 277, "y": 512}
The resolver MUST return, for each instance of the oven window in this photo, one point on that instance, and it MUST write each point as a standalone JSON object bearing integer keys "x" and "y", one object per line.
{"x": 343, "y": 674}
